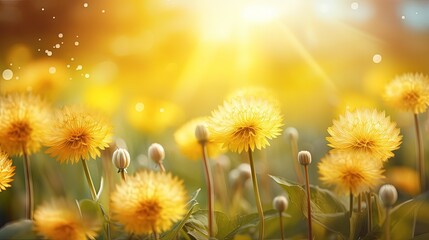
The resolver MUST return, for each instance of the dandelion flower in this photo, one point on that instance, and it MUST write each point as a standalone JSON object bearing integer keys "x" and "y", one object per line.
{"x": 367, "y": 132}
{"x": 23, "y": 121}
{"x": 78, "y": 134}
{"x": 243, "y": 124}
{"x": 61, "y": 220}
{"x": 6, "y": 171}
{"x": 149, "y": 201}
{"x": 188, "y": 143}
{"x": 409, "y": 92}
{"x": 348, "y": 172}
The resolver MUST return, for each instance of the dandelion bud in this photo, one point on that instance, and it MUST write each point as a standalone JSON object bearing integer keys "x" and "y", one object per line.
{"x": 202, "y": 133}
{"x": 388, "y": 195}
{"x": 156, "y": 153}
{"x": 304, "y": 157}
{"x": 244, "y": 171}
{"x": 291, "y": 133}
{"x": 121, "y": 159}
{"x": 280, "y": 203}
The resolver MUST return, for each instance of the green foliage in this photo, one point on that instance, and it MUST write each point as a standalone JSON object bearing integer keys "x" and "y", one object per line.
{"x": 22, "y": 229}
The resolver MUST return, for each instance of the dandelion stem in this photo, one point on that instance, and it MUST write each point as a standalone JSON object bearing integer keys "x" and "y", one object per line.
{"x": 387, "y": 223}
{"x": 307, "y": 187}
{"x": 89, "y": 180}
{"x": 94, "y": 195}
{"x": 351, "y": 204}
{"x": 161, "y": 167}
{"x": 155, "y": 234}
{"x": 210, "y": 194}
{"x": 359, "y": 203}
{"x": 28, "y": 186}
{"x": 294, "y": 151}
{"x": 369, "y": 208}
{"x": 420, "y": 155}
{"x": 257, "y": 197}
{"x": 281, "y": 225}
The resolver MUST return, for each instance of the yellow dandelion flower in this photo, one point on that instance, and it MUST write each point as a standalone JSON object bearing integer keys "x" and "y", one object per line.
{"x": 348, "y": 172}
{"x": 78, "y": 134}
{"x": 188, "y": 143}
{"x": 149, "y": 201}
{"x": 409, "y": 92}
{"x": 6, "y": 171}
{"x": 23, "y": 121}
{"x": 365, "y": 131}
{"x": 243, "y": 124}
{"x": 61, "y": 220}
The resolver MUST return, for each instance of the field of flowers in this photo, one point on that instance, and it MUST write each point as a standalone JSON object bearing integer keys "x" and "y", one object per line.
{"x": 214, "y": 120}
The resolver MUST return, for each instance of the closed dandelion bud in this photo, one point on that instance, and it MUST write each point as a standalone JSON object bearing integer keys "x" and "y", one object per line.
{"x": 291, "y": 133}
{"x": 156, "y": 153}
{"x": 244, "y": 171}
{"x": 202, "y": 133}
{"x": 121, "y": 159}
{"x": 388, "y": 195}
{"x": 280, "y": 203}
{"x": 304, "y": 157}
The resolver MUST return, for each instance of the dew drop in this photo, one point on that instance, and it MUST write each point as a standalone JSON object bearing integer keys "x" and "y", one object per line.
{"x": 7, "y": 74}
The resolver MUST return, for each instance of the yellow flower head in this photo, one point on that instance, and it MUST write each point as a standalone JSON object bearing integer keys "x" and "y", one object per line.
{"x": 367, "y": 132}
{"x": 245, "y": 123}
{"x": 6, "y": 171}
{"x": 23, "y": 121}
{"x": 409, "y": 92}
{"x": 349, "y": 172}
{"x": 78, "y": 134}
{"x": 149, "y": 201}
{"x": 188, "y": 143}
{"x": 61, "y": 220}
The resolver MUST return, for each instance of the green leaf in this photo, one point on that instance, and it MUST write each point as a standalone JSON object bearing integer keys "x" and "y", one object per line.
{"x": 326, "y": 208}
{"x": 422, "y": 237}
{"x": 404, "y": 217}
{"x": 22, "y": 229}
{"x": 90, "y": 211}
{"x": 173, "y": 233}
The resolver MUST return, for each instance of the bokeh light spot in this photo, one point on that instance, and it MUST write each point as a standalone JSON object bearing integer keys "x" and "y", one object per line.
{"x": 7, "y": 74}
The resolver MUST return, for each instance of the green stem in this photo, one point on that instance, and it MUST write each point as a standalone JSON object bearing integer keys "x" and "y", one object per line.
{"x": 420, "y": 155}
{"x": 210, "y": 194}
{"x": 307, "y": 187}
{"x": 94, "y": 196}
{"x": 28, "y": 186}
{"x": 294, "y": 151}
{"x": 359, "y": 203}
{"x": 387, "y": 223}
{"x": 351, "y": 204}
{"x": 89, "y": 180}
{"x": 257, "y": 197}
{"x": 281, "y": 225}
{"x": 369, "y": 207}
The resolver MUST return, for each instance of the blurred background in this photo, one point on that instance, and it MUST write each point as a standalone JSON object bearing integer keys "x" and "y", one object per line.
{"x": 152, "y": 65}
